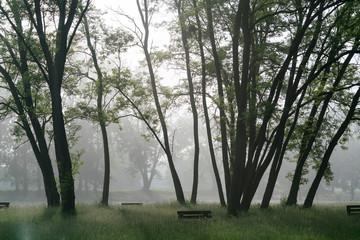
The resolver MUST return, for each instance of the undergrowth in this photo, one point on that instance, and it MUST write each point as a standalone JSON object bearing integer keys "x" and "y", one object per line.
{"x": 159, "y": 221}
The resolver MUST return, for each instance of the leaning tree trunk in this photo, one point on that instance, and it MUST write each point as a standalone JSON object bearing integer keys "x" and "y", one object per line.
{"x": 100, "y": 115}
{"x": 44, "y": 161}
{"x": 25, "y": 107}
{"x": 54, "y": 59}
{"x": 294, "y": 80}
{"x": 176, "y": 180}
{"x": 223, "y": 131}
{"x": 205, "y": 107}
{"x": 184, "y": 38}
{"x": 251, "y": 179}
{"x": 309, "y": 140}
{"x": 38, "y": 145}
{"x": 106, "y": 184}
{"x": 325, "y": 161}
{"x": 310, "y": 132}
{"x": 152, "y": 171}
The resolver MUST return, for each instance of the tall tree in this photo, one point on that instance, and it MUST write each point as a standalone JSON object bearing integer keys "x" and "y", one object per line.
{"x": 54, "y": 51}
{"x": 99, "y": 83}
{"x": 184, "y": 38}
{"x": 205, "y": 105}
{"x": 296, "y": 73}
{"x": 28, "y": 102}
{"x": 104, "y": 45}
{"x": 144, "y": 12}
{"x": 325, "y": 160}
{"x": 317, "y": 117}
{"x": 270, "y": 80}
{"x": 219, "y": 78}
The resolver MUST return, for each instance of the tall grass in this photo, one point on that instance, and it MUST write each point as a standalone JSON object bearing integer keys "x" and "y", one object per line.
{"x": 159, "y": 221}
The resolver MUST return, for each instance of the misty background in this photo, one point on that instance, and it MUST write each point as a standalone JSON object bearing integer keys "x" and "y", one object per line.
{"x": 132, "y": 152}
{"x": 139, "y": 169}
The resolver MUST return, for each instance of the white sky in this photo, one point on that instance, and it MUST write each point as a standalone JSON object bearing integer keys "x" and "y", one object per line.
{"x": 158, "y": 37}
{"x": 130, "y": 7}
{"x": 125, "y": 4}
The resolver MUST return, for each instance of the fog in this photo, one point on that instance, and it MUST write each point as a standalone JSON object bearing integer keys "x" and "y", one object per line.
{"x": 132, "y": 148}
{"x": 139, "y": 168}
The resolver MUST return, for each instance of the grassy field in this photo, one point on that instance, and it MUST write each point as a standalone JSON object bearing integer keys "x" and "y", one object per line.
{"x": 159, "y": 221}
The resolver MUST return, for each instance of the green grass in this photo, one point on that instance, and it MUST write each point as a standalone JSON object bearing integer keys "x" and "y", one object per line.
{"x": 159, "y": 221}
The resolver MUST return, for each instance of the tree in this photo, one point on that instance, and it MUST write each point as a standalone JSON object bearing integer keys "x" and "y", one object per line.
{"x": 185, "y": 33}
{"x": 325, "y": 160}
{"x": 316, "y": 120}
{"x": 189, "y": 47}
{"x": 27, "y": 100}
{"x": 221, "y": 104}
{"x": 144, "y": 43}
{"x": 106, "y": 47}
{"x": 144, "y": 153}
{"x": 54, "y": 50}
{"x": 21, "y": 168}
{"x": 90, "y": 176}
{"x": 204, "y": 101}
{"x": 347, "y": 169}
{"x": 271, "y": 80}
{"x": 101, "y": 90}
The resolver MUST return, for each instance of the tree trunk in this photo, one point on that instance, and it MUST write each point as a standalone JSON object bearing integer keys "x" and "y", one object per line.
{"x": 184, "y": 36}
{"x": 55, "y": 58}
{"x": 251, "y": 179}
{"x": 26, "y": 179}
{"x": 106, "y": 185}
{"x": 26, "y": 107}
{"x": 63, "y": 156}
{"x": 352, "y": 191}
{"x": 293, "y": 82}
{"x": 51, "y": 191}
{"x": 146, "y": 182}
{"x": 101, "y": 115}
{"x": 205, "y": 107}
{"x": 312, "y": 128}
{"x": 153, "y": 170}
{"x": 223, "y": 131}
{"x": 237, "y": 180}
{"x": 324, "y": 163}
{"x": 305, "y": 149}
{"x": 177, "y": 184}
{"x": 325, "y": 160}
{"x": 38, "y": 144}
{"x": 274, "y": 172}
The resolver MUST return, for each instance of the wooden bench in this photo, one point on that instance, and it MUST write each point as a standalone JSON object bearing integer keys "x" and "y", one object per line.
{"x": 131, "y": 204}
{"x": 194, "y": 214}
{"x": 4, "y": 204}
{"x": 353, "y": 209}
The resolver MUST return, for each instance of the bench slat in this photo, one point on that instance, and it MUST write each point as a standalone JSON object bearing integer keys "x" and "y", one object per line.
{"x": 353, "y": 209}
{"x": 194, "y": 214}
{"x": 4, "y": 204}
{"x": 131, "y": 204}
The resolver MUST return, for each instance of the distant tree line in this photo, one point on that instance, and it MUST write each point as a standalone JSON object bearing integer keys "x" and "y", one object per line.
{"x": 270, "y": 80}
